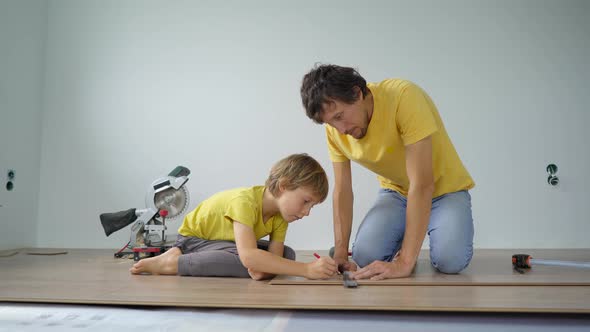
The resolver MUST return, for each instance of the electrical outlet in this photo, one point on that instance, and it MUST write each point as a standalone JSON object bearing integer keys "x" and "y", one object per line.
{"x": 10, "y": 176}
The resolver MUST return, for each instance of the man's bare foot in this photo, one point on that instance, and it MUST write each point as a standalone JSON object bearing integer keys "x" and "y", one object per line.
{"x": 166, "y": 263}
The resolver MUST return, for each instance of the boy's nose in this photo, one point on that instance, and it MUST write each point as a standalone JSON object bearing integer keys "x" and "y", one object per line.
{"x": 306, "y": 212}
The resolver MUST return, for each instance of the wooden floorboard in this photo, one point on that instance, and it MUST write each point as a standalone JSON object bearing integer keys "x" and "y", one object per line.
{"x": 488, "y": 268}
{"x": 95, "y": 277}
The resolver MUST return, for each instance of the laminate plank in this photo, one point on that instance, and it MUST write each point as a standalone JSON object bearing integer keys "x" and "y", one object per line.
{"x": 93, "y": 276}
{"x": 489, "y": 267}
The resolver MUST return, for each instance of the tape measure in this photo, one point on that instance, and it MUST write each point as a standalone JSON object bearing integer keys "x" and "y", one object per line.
{"x": 524, "y": 261}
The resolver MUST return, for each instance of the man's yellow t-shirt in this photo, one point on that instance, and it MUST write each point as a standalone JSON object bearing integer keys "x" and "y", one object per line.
{"x": 403, "y": 114}
{"x": 213, "y": 218}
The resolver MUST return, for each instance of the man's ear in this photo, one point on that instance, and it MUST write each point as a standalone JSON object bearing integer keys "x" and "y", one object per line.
{"x": 358, "y": 92}
{"x": 326, "y": 106}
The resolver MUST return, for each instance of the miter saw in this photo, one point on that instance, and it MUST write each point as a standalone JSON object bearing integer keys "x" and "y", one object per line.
{"x": 167, "y": 197}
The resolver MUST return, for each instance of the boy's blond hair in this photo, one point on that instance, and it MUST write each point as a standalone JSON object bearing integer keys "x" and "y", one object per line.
{"x": 298, "y": 170}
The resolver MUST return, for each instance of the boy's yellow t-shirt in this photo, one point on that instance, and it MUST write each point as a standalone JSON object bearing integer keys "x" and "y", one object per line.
{"x": 213, "y": 219}
{"x": 403, "y": 114}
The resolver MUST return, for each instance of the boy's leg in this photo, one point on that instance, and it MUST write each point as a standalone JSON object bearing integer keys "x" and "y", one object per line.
{"x": 212, "y": 263}
{"x": 166, "y": 263}
{"x": 380, "y": 234}
{"x": 217, "y": 259}
{"x": 288, "y": 253}
{"x": 206, "y": 258}
{"x": 451, "y": 232}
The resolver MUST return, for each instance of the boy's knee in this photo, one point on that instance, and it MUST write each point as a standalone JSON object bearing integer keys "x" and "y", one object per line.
{"x": 449, "y": 263}
{"x": 289, "y": 253}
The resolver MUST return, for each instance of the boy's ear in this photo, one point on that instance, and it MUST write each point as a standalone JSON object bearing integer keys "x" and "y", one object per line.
{"x": 282, "y": 185}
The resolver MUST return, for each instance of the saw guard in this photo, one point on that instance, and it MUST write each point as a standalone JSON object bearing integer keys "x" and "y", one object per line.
{"x": 169, "y": 193}
{"x": 175, "y": 201}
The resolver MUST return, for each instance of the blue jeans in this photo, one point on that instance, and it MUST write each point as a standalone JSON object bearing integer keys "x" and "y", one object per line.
{"x": 450, "y": 230}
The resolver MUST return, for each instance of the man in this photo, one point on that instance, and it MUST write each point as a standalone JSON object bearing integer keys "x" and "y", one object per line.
{"x": 392, "y": 128}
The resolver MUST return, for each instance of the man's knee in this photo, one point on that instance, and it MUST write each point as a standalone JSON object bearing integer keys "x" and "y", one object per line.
{"x": 449, "y": 262}
{"x": 366, "y": 253}
{"x": 289, "y": 253}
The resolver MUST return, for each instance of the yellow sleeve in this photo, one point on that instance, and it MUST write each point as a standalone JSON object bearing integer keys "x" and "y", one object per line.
{"x": 414, "y": 118}
{"x": 279, "y": 231}
{"x": 336, "y": 154}
{"x": 242, "y": 210}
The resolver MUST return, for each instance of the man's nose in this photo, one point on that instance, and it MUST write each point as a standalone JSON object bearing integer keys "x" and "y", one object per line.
{"x": 338, "y": 126}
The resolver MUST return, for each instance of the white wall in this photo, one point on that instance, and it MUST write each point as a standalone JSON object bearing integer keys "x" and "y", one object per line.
{"x": 22, "y": 36}
{"x": 134, "y": 88}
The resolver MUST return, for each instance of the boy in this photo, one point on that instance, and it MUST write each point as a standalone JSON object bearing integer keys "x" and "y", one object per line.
{"x": 221, "y": 237}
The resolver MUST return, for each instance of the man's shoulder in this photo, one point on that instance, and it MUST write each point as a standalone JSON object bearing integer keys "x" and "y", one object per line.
{"x": 391, "y": 84}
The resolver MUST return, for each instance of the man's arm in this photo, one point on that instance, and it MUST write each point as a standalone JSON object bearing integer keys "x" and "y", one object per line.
{"x": 420, "y": 174}
{"x": 263, "y": 261}
{"x": 342, "y": 209}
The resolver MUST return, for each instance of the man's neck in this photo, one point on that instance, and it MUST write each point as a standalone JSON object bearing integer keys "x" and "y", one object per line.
{"x": 369, "y": 105}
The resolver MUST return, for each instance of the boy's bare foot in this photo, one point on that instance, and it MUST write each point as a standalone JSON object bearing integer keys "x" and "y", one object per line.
{"x": 166, "y": 263}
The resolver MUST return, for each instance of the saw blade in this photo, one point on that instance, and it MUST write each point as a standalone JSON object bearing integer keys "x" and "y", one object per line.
{"x": 172, "y": 200}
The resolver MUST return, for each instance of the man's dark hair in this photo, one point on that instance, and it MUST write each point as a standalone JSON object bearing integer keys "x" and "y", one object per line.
{"x": 329, "y": 82}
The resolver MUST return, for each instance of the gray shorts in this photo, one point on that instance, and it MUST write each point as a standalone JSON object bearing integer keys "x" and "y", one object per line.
{"x": 207, "y": 258}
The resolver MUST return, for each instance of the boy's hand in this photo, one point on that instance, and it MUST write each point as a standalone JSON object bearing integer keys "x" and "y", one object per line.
{"x": 322, "y": 268}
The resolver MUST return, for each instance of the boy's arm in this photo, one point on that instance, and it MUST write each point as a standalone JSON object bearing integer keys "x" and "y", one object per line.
{"x": 264, "y": 261}
{"x": 275, "y": 248}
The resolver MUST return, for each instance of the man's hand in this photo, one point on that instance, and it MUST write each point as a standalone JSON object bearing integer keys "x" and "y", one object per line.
{"x": 379, "y": 270}
{"x": 341, "y": 259}
{"x": 347, "y": 266}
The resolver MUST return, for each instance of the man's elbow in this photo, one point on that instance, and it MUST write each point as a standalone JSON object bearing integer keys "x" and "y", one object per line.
{"x": 423, "y": 188}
